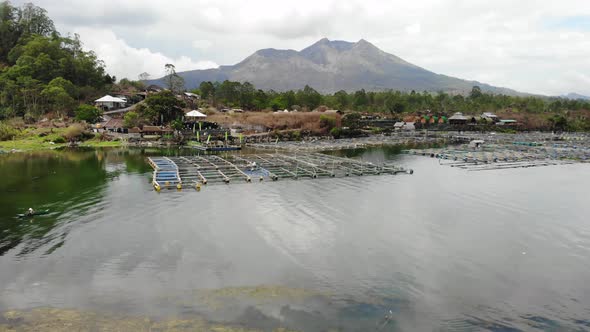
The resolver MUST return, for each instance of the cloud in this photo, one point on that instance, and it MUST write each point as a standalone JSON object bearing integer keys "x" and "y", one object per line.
{"x": 516, "y": 44}
{"x": 202, "y": 44}
{"x": 123, "y": 60}
{"x": 413, "y": 29}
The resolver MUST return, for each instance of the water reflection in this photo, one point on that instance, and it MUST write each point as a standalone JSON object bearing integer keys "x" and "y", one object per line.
{"x": 439, "y": 250}
{"x": 62, "y": 183}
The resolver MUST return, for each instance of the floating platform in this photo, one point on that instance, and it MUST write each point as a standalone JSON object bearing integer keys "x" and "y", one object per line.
{"x": 217, "y": 148}
{"x": 507, "y": 155}
{"x": 195, "y": 171}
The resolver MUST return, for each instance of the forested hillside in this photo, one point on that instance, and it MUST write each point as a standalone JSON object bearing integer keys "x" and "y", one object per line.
{"x": 42, "y": 71}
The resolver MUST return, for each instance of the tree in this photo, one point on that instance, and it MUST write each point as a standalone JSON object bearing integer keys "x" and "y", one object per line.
{"x": 475, "y": 92}
{"x": 309, "y": 97}
{"x": 228, "y": 92}
{"x": 558, "y": 122}
{"x": 176, "y": 124}
{"x": 88, "y": 113}
{"x": 352, "y": 120}
{"x": 360, "y": 98}
{"x": 162, "y": 107}
{"x": 61, "y": 82}
{"x": 131, "y": 119}
{"x": 33, "y": 20}
{"x": 393, "y": 105}
{"x": 247, "y": 95}
{"x": 341, "y": 99}
{"x": 207, "y": 90}
{"x": 58, "y": 99}
{"x": 9, "y": 29}
{"x": 174, "y": 82}
{"x": 144, "y": 76}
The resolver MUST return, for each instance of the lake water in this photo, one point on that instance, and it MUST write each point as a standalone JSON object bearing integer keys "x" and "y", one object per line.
{"x": 443, "y": 249}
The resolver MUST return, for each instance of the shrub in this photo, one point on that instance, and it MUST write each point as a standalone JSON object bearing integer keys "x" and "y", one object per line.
{"x": 16, "y": 122}
{"x": 88, "y": 113}
{"x": 59, "y": 140}
{"x": 327, "y": 121}
{"x": 7, "y": 132}
{"x": 73, "y": 132}
{"x": 336, "y": 132}
{"x": 131, "y": 119}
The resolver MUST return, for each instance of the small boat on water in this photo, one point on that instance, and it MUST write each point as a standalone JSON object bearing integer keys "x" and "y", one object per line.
{"x": 35, "y": 213}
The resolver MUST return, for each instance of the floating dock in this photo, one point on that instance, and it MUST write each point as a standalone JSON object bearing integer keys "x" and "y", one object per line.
{"x": 166, "y": 173}
{"x": 195, "y": 171}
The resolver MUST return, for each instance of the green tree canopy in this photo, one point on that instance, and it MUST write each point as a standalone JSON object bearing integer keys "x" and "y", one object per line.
{"x": 41, "y": 71}
{"x": 88, "y": 113}
{"x": 162, "y": 107}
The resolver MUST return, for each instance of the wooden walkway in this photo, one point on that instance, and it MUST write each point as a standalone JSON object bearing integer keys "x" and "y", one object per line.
{"x": 195, "y": 171}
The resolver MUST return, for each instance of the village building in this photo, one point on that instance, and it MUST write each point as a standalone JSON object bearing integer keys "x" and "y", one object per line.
{"x": 154, "y": 88}
{"x": 490, "y": 117}
{"x": 192, "y": 95}
{"x": 401, "y": 125}
{"x": 507, "y": 122}
{"x": 333, "y": 111}
{"x": 113, "y": 125}
{"x": 155, "y": 130}
{"x": 458, "y": 119}
{"x": 109, "y": 102}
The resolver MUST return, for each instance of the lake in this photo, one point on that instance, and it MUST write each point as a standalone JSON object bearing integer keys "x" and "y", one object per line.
{"x": 442, "y": 249}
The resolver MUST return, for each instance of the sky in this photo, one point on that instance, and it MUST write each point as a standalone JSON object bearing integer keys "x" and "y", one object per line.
{"x": 535, "y": 46}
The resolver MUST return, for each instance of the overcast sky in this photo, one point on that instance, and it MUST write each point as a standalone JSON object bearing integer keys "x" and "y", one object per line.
{"x": 537, "y": 46}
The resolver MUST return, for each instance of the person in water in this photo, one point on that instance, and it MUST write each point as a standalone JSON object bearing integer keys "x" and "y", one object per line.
{"x": 30, "y": 212}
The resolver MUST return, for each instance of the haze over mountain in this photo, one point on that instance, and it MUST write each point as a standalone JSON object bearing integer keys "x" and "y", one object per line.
{"x": 576, "y": 96}
{"x": 330, "y": 66}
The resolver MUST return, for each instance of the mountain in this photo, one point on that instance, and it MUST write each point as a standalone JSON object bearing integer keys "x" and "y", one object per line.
{"x": 576, "y": 96}
{"x": 329, "y": 66}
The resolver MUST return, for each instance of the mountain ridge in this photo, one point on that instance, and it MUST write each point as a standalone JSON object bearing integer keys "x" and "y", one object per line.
{"x": 576, "y": 96}
{"x": 332, "y": 65}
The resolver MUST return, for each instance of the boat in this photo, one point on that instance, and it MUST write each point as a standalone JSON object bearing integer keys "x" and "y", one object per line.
{"x": 36, "y": 213}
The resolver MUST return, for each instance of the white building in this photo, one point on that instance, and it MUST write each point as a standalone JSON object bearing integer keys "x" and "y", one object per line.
{"x": 110, "y": 102}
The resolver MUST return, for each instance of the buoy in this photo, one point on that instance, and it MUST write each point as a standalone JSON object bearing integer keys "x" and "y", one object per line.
{"x": 179, "y": 186}
{"x": 198, "y": 186}
{"x": 157, "y": 187}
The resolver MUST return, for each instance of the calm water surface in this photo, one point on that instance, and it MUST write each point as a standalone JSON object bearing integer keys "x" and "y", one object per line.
{"x": 443, "y": 249}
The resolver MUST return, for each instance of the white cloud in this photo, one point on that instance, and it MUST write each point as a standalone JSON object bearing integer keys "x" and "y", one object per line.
{"x": 123, "y": 60}
{"x": 414, "y": 29}
{"x": 202, "y": 44}
{"x": 516, "y": 44}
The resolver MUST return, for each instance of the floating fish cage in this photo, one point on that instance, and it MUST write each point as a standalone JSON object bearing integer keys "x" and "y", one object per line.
{"x": 196, "y": 171}
{"x": 348, "y": 143}
{"x": 509, "y": 155}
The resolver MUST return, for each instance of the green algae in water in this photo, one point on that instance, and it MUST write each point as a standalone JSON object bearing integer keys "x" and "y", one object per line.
{"x": 65, "y": 320}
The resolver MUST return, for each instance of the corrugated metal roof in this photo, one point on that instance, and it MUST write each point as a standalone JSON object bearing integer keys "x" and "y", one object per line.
{"x": 110, "y": 99}
{"x": 458, "y": 116}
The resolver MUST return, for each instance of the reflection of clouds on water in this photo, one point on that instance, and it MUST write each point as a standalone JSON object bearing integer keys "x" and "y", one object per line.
{"x": 440, "y": 248}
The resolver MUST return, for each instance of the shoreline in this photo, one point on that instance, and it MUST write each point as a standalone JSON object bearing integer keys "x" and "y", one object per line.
{"x": 419, "y": 139}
